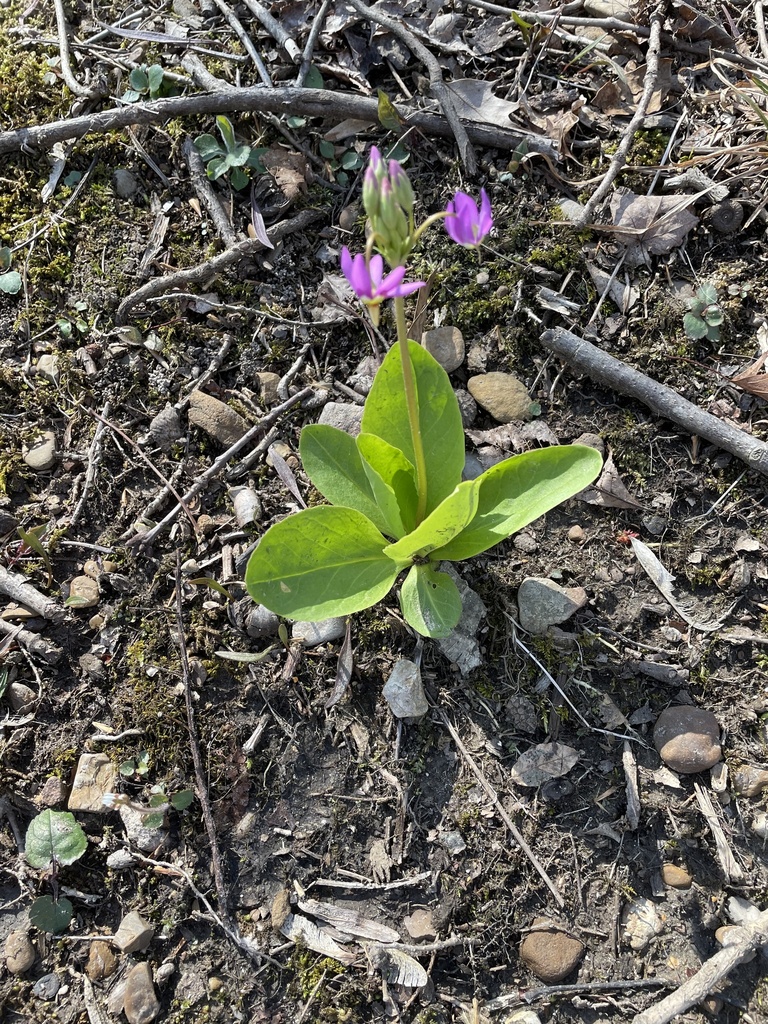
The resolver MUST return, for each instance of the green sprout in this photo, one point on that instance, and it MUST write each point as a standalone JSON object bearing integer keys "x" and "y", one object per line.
{"x": 149, "y": 82}
{"x": 705, "y": 315}
{"x": 230, "y": 158}
{"x": 10, "y": 280}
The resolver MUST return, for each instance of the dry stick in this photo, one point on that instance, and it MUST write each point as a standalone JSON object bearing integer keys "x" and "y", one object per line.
{"x": 533, "y": 995}
{"x": 663, "y": 401}
{"x": 70, "y": 81}
{"x": 288, "y": 101}
{"x": 245, "y": 39}
{"x": 438, "y": 87}
{"x": 208, "y": 269}
{"x": 22, "y": 592}
{"x": 216, "y": 467}
{"x": 207, "y": 196}
{"x": 309, "y": 46}
{"x": 94, "y": 458}
{"x": 517, "y": 835}
{"x": 35, "y": 644}
{"x": 620, "y": 156}
{"x": 743, "y": 942}
{"x": 275, "y": 29}
{"x": 760, "y": 26}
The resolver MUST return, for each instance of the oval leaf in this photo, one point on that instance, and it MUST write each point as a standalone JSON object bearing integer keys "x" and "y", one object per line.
{"x": 10, "y": 283}
{"x": 50, "y": 916}
{"x": 393, "y": 482}
{"x": 513, "y": 493}
{"x": 430, "y": 601}
{"x": 322, "y": 562}
{"x": 54, "y": 834}
{"x": 440, "y": 526}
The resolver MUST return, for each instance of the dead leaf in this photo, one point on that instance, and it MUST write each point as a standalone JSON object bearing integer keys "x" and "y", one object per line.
{"x": 397, "y": 967}
{"x": 344, "y": 669}
{"x": 351, "y": 128}
{"x": 543, "y": 762}
{"x": 301, "y": 929}
{"x": 664, "y": 83}
{"x": 624, "y": 295}
{"x": 288, "y": 169}
{"x": 662, "y": 579}
{"x": 349, "y": 921}
{"x": 658, "y": 223}
{"x": 754, "y": 380}
{"x": 609, "y": 490}
{"x": 475, "y": 101}
{"x": 513, "y": 437}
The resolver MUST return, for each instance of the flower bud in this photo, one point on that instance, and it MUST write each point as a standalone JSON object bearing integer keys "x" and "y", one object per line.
{"x": 371, "y": 186}
{"x": 401, "y": 187}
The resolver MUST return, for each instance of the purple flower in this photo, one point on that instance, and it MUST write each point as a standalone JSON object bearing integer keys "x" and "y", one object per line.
{"x": 465, "y": 223}
{"x": 368, "y": 282}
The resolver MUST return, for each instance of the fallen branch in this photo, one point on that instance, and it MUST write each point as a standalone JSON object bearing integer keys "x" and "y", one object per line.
{"x": 663, "y": 401}
{"x": 288, "y": 101}
{"x": 33, "y": 643}
{"x": 743, "y": 942}
{"x": 207, "y": 196}
{"x": 19, "y": 590}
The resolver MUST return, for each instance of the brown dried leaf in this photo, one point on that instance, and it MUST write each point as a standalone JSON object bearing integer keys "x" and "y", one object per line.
{"x": 475, "y": 101}
{"x": 543, "y": 762}
{"x": 752, "y": 380}
{"x": 288, "y": 169}
{"x": 609, "y": 491}
{"x": 660, "y": 223}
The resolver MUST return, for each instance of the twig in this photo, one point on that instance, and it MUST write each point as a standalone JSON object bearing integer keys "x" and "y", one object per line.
{"x": 760, "y": 26}
{"x": 663, "y": 401}
{"x": 275, "y": 29}
{"x": 517, "y": 835}
{"x": 629, "y": 764}
{"x": 620, "y": 156}
{"x": 33, "y": 643}
{"x": 743, "y": 942}
{"x": 70, "y": 81}
{"x": 731, "y": 869}
{"x": 401, "y": 883}
{"x": 245, "y": 39}
{"x": 94, "y": 458}
{"x": 532, "y": 995}
{"x": 203, "y": 271}
{"x": 207, "y": 196}
{"x": 142, "y": 539}
{"x": 287, "y": 100}
{"x": 439, "y": 89}
{"x": 22, "y": 592}
{"x": 309, "y": 46}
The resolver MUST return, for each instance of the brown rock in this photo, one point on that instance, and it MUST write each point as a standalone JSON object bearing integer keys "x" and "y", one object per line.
{"x": 19, "y": 952}
{"x": 101, "y": 961}
{"x": 748, "y": 780}
{"x": 216, "y": 418}
{"x": 134, "y": 933}
{"x": 503, "y": 396}
{"x": 550, "y": 954}
{"x": 53, "y": 793}
{"x": 446, "y": 344}
{"x": 140, "y": 1004}
{"x": 95, "y": 776}
{"x": 83, "y": 592}
{"x": 420, "y": 925}
{"x": 687, "y": 739}
{"x": 675, "y": 877}
{"x": 268, "y": 382}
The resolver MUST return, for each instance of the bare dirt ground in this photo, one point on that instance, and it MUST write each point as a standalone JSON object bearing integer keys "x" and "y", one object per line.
{"x": 130, "y": 649}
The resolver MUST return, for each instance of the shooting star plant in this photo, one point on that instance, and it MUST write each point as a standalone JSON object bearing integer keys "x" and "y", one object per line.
{"x": 397, "y": 500}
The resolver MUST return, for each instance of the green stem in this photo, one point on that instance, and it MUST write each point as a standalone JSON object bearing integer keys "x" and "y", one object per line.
{"x": 412, "y": 404}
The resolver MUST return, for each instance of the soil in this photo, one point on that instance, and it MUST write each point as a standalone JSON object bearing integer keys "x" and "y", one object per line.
{"x": 343, "y": 804}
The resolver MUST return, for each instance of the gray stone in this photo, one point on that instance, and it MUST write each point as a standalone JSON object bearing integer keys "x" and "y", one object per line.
{"x": 342, "y": 416}
{"x": 165, "y": 428}
{"x": 125, "y": 183}
{"x": 216, "y": 418}
{"x": 261, "y": 622}
{"x": 134, "y": 934}
{"x": 21, "y": 697}
{"x": 461, "y": 646}
{"x": 467, "y": 407}
{"x": 525, "y": 542}
{"x": 550, "y": 954}
{"x": 641, "y": 923}
{"x": 42, "y": 455}
{"x": 247, "y": 505}
{"x": 473, "y": 467}
{"x": 687, "y": 739}
{"x": 19, "y": 952}
{"x": 148, "y": 840}
{"x": 543, "y": 603}
{"x": 95, "y": 776}
{"x": 268, "y": 382}
{"x": 140, "y": 1002}
{"x": 446, "y": 345}
{"x": 760, "y": 825}
{"x": 48, "y": 366}
{"x": 749, "y": 780}
{"x": 404, "y": 691}
{"x": 83, "y": 592}
{"x": 120, "y": 860}
{"x": 47, "y": 987}
{"x": 503, "y": 396}
{"x": 420, "y": 925}
{"x": 315, "y": 633}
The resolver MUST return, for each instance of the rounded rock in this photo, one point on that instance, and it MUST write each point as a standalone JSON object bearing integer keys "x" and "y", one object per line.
{"x": 261, "y": 622}
{"x": 47, "y": 987}
{"x": 125, "y": 183}
{"x": 676, "y": 877}
{"x": 687, "y": 739}
{"x": 760, "y": 825}
{"x": 141, "y": 1004}
{"x": 748, "y": 780}
{"x": 503, "y": 396}
{"x": 83, "y": 592}
{"x": 101, "y": 961}
{"x": 42, "y": 455}
{"x": 19, "y": 952}
{"x": 551, "y": 955}
{"x": 446, "y": 345}
{"x": 576, "y": 535}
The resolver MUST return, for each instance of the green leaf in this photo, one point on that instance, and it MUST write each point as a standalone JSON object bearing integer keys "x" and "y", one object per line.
{"x": 332, "y": 462}
{"x": 227, "y": 132}
{"x": 54, "y": 834}
{"x": 5, "y": 257}
{"x": 296, "y": 122}
{"x": 694, "y": 327}
{"x": 155, "y": 76}
{"x": 430, "y": 601}
{"x": 10, "y": 283}
{"x": 393, "y": 482}
{"x": 321, "y": 562}
{"x": 713, "y": 315}
{"x": 239, "y": 178}
{"x": 386, "y": 415}
{"x": 130, "y": 96}
{"x": 208, "y": 147}
{"x": 314, "y": 79}
{"x": 441, "y": 526}
{"x": 706, "y": 293}
{"x": 513, "y": 493}
{"x": 206, "y": 581}
{"x": 389, "y": 117}
{"x": 254, "y": 159}
{"x": 50, "y": 916}
{"x": 397, "y": 152}
{"x": 327, "y": 149}
{"x": 180, "y": 801}
{"x": 155, "y": 820}
{"x": 239, "y": 156}
{"x": 32, "y": 540}
{"x": 139, "y": 80}
{"x": 351, "y": 160}
{"x": 217, "y": 167}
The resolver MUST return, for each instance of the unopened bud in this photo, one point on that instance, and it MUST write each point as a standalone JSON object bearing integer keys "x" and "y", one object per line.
{"x": 401, "y": 187}
{"x": 371, "y": 197}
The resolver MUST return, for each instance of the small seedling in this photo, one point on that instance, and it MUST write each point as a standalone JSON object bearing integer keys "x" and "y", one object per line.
{"x": 135, "y": 767}
{"x": 72, "y": 325}
{"x": 54, "y": 839}
{"x": 10, "y": 280}
{"x": 705, "y": 315}
{"x": 230, "y": 158}
{"x": 149, "y": 82}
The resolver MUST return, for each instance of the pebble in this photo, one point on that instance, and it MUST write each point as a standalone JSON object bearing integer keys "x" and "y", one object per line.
{"x": 47, "y": 987}
{"x": 53, "y": 793}
{"x": 165, "y": 428}
{"x": 21, "y": 697}
{"x": 551, "y": 955}
{"x": 461, "y": 647}
{"x": 148, "y": 840}
{"x": 101, "y": 961}
{"x": 446, "y": 345}
{"x": 48, "y": 366}
{"x": 748, "y": 780}
{"x": 120, "y": 860}
{"x": 760, "y": 825}
{"x": 467, "y": 407}
{"x": 343, "y": 416}
{"x": 215, "y": 984}
{"x": 687, "y": 739}
{"x": 216, "y": 418}
{"x": 247, "y": 505}
{"x": 525, "y": 542}
{"x": 19, "y": 952}
{"x": 543, "y": 603}
{"x": 95, "y": 776}
{"x": 42, "y": 455}
{"x": 134, "y": 933}
{"x": 503, "y": 396}
{"x": 140, "y": 1002}
{"x": 420, "y": 925}
{"x": 125, "y": 183}
{"x": 315, "y": 633}
{"x": 85, "y": 591}
{"x": 348, "y": 217}
{"x": 676, "y": 877}
{"x": 268, "y": 382}
{"x": 576, "y": 535}
{"x": 261, "y": 622}
{"x": 641, "y": 923}
{"x": 404, "y": 691}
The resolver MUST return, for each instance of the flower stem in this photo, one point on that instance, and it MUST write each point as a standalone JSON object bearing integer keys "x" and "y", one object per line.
{"x": 412, "y": 404}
